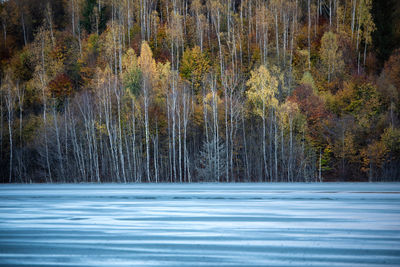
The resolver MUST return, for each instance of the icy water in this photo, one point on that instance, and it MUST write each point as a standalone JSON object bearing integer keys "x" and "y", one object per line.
{"x": 200, "y": 224}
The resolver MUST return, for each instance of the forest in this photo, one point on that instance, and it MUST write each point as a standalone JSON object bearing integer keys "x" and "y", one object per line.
{"x": 199, "y": 91}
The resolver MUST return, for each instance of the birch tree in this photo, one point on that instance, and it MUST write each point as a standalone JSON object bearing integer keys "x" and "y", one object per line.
{"x": 331, "y": 55}
{"x": 148, "y": 69}
{"x": 263, "y": 88}
{"x": 7, "y": 87}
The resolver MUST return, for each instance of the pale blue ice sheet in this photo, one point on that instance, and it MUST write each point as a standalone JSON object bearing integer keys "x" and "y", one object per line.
{"x": 336, "y": 224}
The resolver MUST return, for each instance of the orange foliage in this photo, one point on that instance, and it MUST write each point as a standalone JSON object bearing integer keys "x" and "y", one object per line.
{"x": 312, "y": 106}
{"x": 61, "y": 86}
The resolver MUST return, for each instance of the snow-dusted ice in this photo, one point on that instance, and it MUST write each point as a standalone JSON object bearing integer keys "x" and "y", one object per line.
{"x": 200, "y": 224}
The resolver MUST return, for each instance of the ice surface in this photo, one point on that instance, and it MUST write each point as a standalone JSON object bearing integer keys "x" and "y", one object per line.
{"x": 333, "y": 224}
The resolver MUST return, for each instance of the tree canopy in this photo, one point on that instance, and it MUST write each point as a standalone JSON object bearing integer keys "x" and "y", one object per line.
{"x": 187, "y": 91}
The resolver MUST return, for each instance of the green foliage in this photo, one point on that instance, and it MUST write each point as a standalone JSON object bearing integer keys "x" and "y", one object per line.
{"x": 263, "y": 88}
{"x": 30, "y": 127}
{"x": 93, "y": 44}
{"x": 309, "y": 80}
{"x": 22, "y": 66}
{"x": 91, "y": 16}
{"x": 391, "y": 139}
{"x": 364, "y": 104}
{"x": 132, "y": 75}
{"x": 133, "y": 81}
{"x": 330, "y": 55}
{"x": 326, "y": 159}
{"x": 195, "y": 67}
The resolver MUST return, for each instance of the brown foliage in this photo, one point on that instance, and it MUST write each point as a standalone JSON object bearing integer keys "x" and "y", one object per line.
{"x": 312, "y": 106}
{"x": 61, "y": 86}
{"x": 392, "y": 69}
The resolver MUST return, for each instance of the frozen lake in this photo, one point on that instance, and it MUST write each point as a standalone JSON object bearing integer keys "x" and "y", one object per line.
{"x": 200, "y": 224}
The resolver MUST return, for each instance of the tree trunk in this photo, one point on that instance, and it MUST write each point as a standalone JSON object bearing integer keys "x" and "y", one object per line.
{"x": 134, "y": 140}
{"x": 309, "y": 30}
{"x": 146, "y": 117}
{"x": 60, "y": 158}
{"x": 42, "y": 78}
{"x": 264, "y": 144}
{"x": 10, "y": 113}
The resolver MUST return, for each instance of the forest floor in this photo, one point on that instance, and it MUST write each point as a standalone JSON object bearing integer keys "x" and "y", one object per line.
{"x": 334, "y": 224}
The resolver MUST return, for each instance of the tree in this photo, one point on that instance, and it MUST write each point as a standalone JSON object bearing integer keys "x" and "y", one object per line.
{"x": 390, "y": 79}
{"x": 373, "y": 158}
{"x": 93, "y": 16}
{"x": 61, "y": 86}
{"x": 9, "y": 90}
{"x": 197, "y": 7}
{"x": 289, "y": 111}
{"x": 132, "y": 77}
{"x": 209, "y": 165}
{"x": 263, "y": 88}
{"x": 194, "y": 67}
{"x": 367, "y": 24}
{"x": 330, "y": 55}
{"x": 148, "y": 68}
{"x": 391, "y": 141}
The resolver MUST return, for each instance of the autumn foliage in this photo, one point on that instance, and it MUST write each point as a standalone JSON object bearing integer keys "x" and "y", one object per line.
{"x": 192, "y": 91}
{"x": 60, "y": 86}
